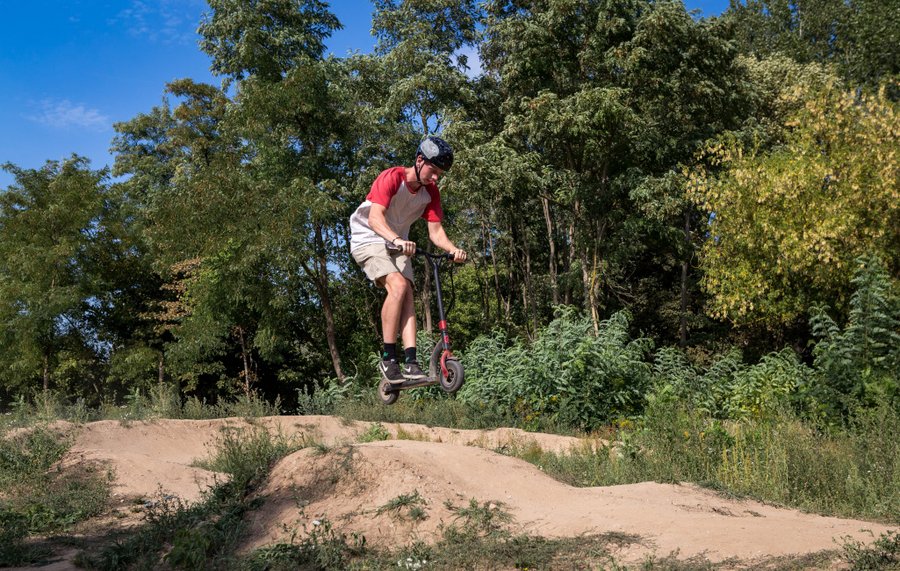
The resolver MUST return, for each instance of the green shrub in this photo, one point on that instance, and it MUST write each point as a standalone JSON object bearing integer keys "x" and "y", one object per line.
{"x": 861, "y": 362}
{"x": 569, "y": 374}
{"x": 780, "y": 458}
{"x": 730, "y": 388}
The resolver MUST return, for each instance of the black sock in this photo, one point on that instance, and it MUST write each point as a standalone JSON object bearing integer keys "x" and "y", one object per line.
{"x": 410, "y": 353}
{"x": 390, "y": 352}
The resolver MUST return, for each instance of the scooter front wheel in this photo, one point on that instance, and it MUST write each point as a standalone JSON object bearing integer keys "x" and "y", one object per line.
{"x": 387, "y": 395}
{"x": 455, "y": 376}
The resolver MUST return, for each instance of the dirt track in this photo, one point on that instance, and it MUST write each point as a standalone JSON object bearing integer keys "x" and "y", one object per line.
{"x": 348, "y": 483}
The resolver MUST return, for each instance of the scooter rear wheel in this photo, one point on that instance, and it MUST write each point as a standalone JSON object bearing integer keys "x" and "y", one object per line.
{"x": 387, "y": 396}
{"x": 455, "y": 376}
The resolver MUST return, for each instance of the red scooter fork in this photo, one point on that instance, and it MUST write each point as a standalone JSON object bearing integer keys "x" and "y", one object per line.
{"x": 445, "y": 337}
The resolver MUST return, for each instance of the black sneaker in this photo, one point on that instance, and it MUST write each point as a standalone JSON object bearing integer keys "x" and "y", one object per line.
{"x": 412, "y": 371}
{"x": 390, "y": 370}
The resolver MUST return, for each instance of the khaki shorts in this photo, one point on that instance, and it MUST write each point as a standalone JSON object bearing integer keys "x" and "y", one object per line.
{"x": 377, "y": 261}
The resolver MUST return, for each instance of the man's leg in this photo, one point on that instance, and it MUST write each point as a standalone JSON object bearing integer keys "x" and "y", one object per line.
{"x": 395, "y": 313}
{"x": 398, "y": 310}
{"x": 399, "y": 313}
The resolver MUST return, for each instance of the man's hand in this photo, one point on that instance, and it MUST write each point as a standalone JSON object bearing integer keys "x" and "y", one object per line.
{"x": 407, "y": 247}
{"x": 459, "y": 256}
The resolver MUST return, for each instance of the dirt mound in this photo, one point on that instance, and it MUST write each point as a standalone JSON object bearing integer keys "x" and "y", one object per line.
{"x": 158, "y": 456}
{"x": 405, "y": 489}
{"x": 357, "y": 487}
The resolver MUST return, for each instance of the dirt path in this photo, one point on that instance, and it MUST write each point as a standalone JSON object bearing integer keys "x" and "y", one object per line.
{"x": 350, "y": 484}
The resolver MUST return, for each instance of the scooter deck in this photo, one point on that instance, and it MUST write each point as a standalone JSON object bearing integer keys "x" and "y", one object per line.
{"x": 411, "y": 384}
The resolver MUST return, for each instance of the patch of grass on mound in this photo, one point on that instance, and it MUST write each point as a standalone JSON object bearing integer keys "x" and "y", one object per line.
{"x": 161, "y": 401}
{"x": 203, "y": 535}
{"x": 412, "y": 504}
{"x": 882, "y": 553}
{"x": 38, "y": 497}
{"x": 375, "y": 433}
{"x": 847, "y": 473}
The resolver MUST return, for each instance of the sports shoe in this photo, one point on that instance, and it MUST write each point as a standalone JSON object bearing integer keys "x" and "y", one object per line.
{"x": 412, "y": 371}
{"x": 390, "y": 370}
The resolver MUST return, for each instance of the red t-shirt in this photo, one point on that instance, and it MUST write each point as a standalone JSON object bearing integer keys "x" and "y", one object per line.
{"x": 402, "y": 207}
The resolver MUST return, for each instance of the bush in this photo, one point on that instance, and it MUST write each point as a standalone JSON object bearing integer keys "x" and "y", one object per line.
{"x": 570, "y": 374}
{"x": 861, "y": 361}
{"x": 37, "y": 498}
{"x": 730, "y": 388}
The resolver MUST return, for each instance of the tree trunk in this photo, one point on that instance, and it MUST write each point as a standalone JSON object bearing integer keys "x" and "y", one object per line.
{"x": 489, "y": 242}
{"x": 589, "y": 276}
{"x": 551, "y": 244}
{"x": 46, "y": 371}
{"x": 320, "y": 277}
{"x": 529, "y": 286}
{"x": 570, "y": 260}
{"x": 246, "y": 358}
{"x": 682, "y": 329}
{"x": 161, "y": 368}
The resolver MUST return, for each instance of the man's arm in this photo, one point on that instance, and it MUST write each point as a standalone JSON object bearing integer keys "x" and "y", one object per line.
{"x": 439, "y": 238}
{"x": 379, "y": 224}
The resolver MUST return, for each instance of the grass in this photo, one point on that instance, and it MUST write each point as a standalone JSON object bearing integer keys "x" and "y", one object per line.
{"x": 160, "y": 402}
{"x": 37, "y": 497}
{"x": 436, "y": 411}
{"x": 246, "y": 454}
{"x": 780, "y": 460}
{"x": 375, "y": 433}
{"x": 412, "y": 503}
{"x": 203, "y": 535}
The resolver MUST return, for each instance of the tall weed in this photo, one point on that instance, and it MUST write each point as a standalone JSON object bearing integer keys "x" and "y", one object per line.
{"x": 569, "y": 374}
{"x": 861, "y": 361}
{"x": 779, "y": 458}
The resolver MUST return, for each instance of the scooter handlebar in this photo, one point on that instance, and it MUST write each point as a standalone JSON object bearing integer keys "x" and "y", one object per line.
{"x": 422, "y": 252}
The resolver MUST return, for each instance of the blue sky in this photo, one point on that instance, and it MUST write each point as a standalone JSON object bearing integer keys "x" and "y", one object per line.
{"x": 69, "y": 69}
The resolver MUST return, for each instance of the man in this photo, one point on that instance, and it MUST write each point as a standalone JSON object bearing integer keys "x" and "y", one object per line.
{"x": 380, "y": 244}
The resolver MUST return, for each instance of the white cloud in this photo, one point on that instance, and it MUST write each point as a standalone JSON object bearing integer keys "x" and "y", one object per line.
{"x": 165, "y": 21}
{"x": 62, "y": 113}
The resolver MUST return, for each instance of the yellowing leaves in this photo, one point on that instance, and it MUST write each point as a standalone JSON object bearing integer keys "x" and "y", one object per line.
{"x": 789, "y": 222}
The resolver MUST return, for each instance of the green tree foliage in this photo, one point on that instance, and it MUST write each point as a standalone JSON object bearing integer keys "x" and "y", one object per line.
{"x": 788, "y": 223}
{"x": 419, "y": 41}
{"x": 49, "y": 219}
{"x": 590, "y": 108}
{"x": 862, "y": 359}
{"x": 730, "y": 388}
{"x": 859, "y": 37}
{"x": 264, "y": 38}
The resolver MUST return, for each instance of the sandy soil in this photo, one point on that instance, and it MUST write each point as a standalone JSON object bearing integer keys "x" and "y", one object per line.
{"x": 351, "y": 484}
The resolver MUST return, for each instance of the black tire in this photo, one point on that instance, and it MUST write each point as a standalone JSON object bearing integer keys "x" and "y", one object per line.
{"x": 455, "y": 376}
{"x": 387, "y": 396}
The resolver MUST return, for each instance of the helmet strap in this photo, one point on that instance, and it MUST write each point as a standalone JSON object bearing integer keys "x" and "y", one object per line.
{"x": 418, "y": 179}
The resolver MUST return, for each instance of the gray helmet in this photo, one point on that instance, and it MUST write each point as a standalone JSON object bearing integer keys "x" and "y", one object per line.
{"x": 437, "y": 152}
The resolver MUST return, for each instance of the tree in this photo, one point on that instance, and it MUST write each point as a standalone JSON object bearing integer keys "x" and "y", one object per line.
{"x": 264, "y": 38}
{"x": 858, "y": 36}
{"x": 48, "y": 219}
{"x": 597, "y": 105}
{"x": 787, "y": 223}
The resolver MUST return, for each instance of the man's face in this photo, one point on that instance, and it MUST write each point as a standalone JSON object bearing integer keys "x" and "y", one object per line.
{"x": 428, "y": 173}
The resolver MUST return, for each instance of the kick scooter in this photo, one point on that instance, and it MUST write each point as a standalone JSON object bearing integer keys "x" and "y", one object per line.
{"x": 443, "y": 367}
